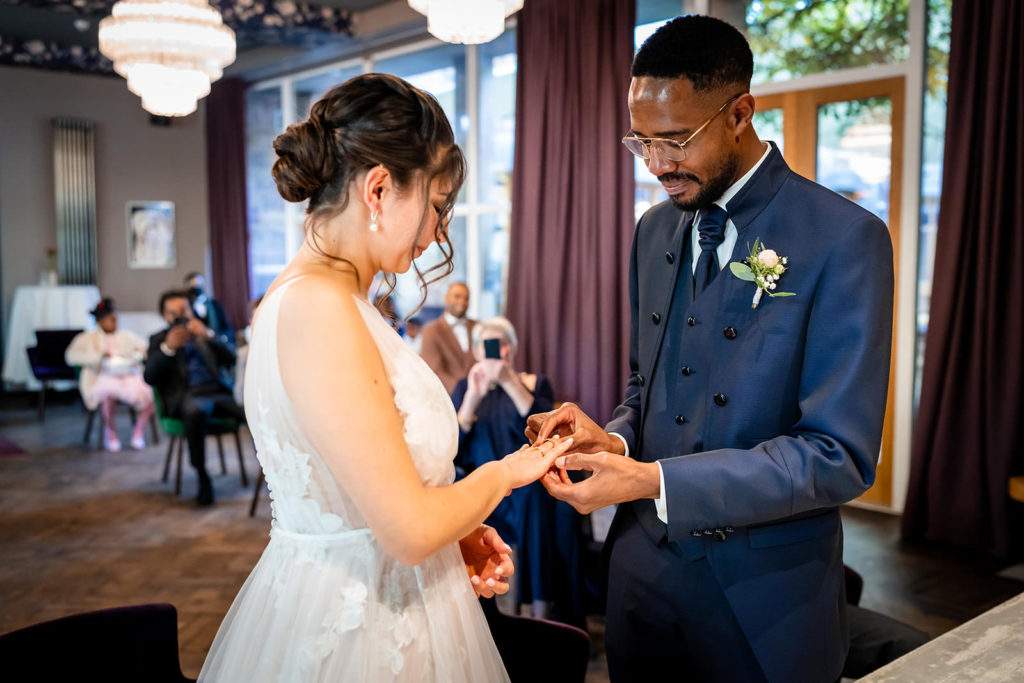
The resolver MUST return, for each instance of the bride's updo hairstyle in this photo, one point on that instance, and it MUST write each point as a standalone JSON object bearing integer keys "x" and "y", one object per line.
{"x": 370, "y": 120}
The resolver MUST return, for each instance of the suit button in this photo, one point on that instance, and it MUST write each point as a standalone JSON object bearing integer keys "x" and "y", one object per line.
{"x": 695, "y": 532}
{"x": 730, "y": 333}
{"x": 691, "y": 321}
{"x": 687, "y": 370}
{"x": 720, "y": 399}
{"x": 670, "y": 257}
{"x": 719, "y": 534}
{"x": 707, "y": 532}
{"x": 640, "y": 380}
{"x": 680, "y": 420}
{"x": 655, "y": 318}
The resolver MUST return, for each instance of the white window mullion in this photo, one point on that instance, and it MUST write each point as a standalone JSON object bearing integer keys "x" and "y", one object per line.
{"x": 292, "y": 212}
{"x": 474, "y": 269}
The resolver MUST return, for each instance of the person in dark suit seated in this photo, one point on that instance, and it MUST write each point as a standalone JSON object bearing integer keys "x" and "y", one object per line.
{"x": 187, "y": 363}
{"x": 493, "y": 403}
{"x": 208, "y": 310}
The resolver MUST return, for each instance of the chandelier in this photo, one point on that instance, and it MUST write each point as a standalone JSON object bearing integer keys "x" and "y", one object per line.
{"x": 168, "y": 50}
{"x": 466, "y": 21}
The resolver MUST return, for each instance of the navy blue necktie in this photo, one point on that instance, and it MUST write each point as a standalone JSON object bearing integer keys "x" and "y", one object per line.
{"x": 711, "y": 232}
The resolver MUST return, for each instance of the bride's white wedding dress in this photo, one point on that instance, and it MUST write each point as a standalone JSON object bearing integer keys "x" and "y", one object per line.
{"x": 325, "y": 603}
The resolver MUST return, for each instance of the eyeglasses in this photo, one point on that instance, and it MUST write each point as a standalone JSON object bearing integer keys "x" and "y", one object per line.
{"x": 668, "y": 149}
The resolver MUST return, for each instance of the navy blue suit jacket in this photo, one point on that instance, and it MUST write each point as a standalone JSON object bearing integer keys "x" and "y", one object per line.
{"x": 801, "y": 383}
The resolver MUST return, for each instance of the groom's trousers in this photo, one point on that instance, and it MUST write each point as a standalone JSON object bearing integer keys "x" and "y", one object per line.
{"x": 667, "y": 617}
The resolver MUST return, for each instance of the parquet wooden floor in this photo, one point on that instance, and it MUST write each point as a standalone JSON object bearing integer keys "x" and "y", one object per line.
{"x": 82, "y": 529}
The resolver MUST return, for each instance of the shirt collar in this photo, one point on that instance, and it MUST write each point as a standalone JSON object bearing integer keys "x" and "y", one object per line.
{"x": 738, "y": 185}
{"x": 453, "y": 321}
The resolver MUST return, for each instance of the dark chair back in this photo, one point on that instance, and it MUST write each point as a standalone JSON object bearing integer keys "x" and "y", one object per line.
{"x": 854, "y": 585}
{"x": 119, "y": 645}
{"x": 519, "y": 639}
{"x": 47, "y": 356}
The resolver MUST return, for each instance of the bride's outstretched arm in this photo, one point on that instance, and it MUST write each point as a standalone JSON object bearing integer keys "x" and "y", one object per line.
{"x": 336, "y": 380}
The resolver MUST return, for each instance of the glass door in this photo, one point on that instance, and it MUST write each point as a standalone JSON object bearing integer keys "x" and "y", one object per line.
{"x": 849, "y": 139}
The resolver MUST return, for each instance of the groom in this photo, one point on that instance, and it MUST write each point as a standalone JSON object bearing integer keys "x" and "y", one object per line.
{"x": 743, "y": 428}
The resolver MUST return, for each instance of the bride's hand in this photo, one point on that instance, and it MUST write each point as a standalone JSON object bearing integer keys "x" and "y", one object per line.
{"x": 530, "y": 463}
{"x": 488, "y": 560}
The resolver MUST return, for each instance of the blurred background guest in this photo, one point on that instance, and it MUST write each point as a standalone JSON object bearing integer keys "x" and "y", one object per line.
{"x": 446, "y": 340}
{"x": 207, "y": 309}
{"x": 412, "y": 333}
{"x": 493, "y": 403}
{"x": 188, "y": 364}
{"x": 242, "y": 354}
{"x": 111, "y": 370}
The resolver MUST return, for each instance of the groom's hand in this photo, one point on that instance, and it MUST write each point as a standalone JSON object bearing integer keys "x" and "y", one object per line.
{"x": 569, "y": 420}
{"x": 614, "y": 479}
{"x": 488, "y": 561}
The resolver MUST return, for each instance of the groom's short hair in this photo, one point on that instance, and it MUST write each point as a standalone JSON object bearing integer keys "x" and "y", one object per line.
{"x": 708, "y": 52}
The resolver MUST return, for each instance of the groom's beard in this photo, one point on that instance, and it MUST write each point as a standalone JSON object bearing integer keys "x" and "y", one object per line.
{"x": 710, "y": 189}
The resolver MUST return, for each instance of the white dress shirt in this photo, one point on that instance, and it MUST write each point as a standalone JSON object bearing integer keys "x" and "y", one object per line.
{"x": 458, "y": 326}
{"x": 724, "y": 252}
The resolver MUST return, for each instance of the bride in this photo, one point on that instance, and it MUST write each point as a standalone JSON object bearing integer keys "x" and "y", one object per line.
{"x": 375, "y": 557}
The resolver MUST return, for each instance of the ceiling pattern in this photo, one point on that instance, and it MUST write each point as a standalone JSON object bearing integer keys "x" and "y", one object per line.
{"x": 256, "y": 23}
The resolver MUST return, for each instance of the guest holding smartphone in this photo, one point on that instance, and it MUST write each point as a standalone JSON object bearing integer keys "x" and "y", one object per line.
{"x": 493, "y": 403}
{"x": 189, "y": 365}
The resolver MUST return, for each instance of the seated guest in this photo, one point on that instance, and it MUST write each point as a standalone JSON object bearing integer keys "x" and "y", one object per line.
{"x": 493, "y": 403}
{"x": 446, "y": 340}
{"x": 187, "y": 363}
{"x": 111, "y": 363}
{"x": 208, "y": 310}
{"x": 412, "y": 333}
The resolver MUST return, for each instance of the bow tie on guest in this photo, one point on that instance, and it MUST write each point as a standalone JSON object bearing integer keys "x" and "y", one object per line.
{"x": 711, "y": 232}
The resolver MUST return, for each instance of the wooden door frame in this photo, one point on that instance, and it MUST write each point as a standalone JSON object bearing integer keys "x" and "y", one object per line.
{"x": 799, "y": 131}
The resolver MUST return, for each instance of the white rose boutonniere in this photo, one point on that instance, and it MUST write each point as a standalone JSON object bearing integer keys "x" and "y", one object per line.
{"x": 763, "y": 267}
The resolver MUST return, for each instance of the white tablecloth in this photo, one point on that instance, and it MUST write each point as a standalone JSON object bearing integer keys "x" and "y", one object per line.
{"x": 43, "y": 308}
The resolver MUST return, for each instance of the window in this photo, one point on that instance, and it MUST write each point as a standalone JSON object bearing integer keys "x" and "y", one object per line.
{"x": 936, "y": 80}
{"x": 268, "y": 227}
{"x": 791, "y": 38}
{"x": 475, "y": 86}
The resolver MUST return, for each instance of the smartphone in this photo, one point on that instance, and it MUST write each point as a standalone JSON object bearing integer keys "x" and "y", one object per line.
{"x": 492, "y": 348}
{"x": 180, "y": 321}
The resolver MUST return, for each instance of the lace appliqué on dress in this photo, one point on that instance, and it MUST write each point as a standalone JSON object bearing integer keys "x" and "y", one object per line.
{"x": 288, "y": 472}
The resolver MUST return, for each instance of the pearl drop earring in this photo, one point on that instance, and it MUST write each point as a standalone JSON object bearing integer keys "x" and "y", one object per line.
{"x": 373, "y": 221}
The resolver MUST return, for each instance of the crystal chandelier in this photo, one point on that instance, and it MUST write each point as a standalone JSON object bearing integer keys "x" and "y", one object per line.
{"x": 168, "y": 50}
{"x": 466, "y": 21}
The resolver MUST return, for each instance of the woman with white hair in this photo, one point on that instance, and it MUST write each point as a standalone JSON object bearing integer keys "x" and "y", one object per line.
{"x": 493, "y": 403}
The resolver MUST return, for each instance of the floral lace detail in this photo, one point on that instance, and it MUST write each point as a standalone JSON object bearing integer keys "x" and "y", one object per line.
{"x": 288, "y": 472}
{"x": 345, "y": 613}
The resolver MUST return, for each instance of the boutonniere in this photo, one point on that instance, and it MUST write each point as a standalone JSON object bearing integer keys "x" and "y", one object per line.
{"x": 764, "y": 268}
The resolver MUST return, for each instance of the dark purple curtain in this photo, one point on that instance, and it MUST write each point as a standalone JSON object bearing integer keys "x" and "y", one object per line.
{"x": 572, "y": 198}
{"x": 225, "y": 174}
{"x": 970, "y": 425}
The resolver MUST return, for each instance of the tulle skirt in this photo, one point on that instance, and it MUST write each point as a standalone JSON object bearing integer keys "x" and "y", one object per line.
{"x": 131, "y": 389}
{"x": 332, "y": 608}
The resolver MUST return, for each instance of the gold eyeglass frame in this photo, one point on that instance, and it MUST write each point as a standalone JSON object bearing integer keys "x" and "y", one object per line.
{"x": 647, "y": 142}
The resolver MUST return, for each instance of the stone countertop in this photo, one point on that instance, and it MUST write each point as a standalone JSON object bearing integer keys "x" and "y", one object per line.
{"x": 987, "y": 649}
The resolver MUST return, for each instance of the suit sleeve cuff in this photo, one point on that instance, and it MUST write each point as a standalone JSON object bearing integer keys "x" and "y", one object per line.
{"x": 660, "y": 504}
{"x": 625, "y": 445}
{"x": 168, "y": 351}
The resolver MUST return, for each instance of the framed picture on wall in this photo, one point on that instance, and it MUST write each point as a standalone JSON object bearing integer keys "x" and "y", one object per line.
{"x": 151, "y": 234}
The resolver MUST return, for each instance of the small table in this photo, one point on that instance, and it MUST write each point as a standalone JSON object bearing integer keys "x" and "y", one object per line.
{"x": 43, "y": 308}
{"x": 987, "y": 649}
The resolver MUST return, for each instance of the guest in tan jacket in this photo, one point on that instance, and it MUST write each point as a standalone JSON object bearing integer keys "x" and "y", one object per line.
{"x": 446, "y": 340}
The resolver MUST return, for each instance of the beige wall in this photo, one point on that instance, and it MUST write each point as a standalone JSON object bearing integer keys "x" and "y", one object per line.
{"x": 134, "y": 161}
